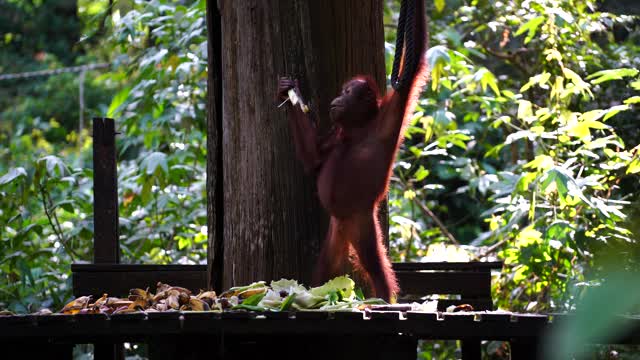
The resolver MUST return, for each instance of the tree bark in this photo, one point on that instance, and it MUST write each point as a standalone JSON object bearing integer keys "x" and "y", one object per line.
{"x": 273, "y": 224}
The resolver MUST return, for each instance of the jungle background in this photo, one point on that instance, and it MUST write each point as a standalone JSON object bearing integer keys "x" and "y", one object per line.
{"x": 523, "y": 148}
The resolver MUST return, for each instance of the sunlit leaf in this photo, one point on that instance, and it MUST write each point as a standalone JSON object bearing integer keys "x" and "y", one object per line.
{"x": 612, "y": 74}
{"x": 541, "y": 163}
{"x": 437, "y": 57}
{"x": 530, "y": 27}
{"x": 632, "y": 100}
{"x": 118, "y": 101}
{"x": 634, "y": 167}
{"x": 614, "y": 110}
{"x": 421, "y": 173}
{"x": 524, "y": 109}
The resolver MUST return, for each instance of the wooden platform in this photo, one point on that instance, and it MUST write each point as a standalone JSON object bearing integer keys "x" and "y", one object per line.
{"x": 318, "y": 334}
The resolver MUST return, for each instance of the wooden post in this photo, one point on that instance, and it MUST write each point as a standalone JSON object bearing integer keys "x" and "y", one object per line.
{"x": 106, "y": 247}
{"x": 215, "y": 207}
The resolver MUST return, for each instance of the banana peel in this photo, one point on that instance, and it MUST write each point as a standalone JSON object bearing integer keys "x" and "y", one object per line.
{"x": 76, "y": 305}
{"x": 246, "y": 291}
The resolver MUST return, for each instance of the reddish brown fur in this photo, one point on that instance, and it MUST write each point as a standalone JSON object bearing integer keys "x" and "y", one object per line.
{"x": 354, "y": 164}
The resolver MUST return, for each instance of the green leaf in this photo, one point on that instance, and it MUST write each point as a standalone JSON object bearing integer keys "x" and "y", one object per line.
{"x": 559, "y": 230}
{"x": 439, "y": 4}
{"x": 437, "y": 57}
{"x": 117, "y": 101}
{"x": 438, "y": 54}
{"x": 614, "y": 110}
{"x": 540, "y": 79}
{"x": 66, "y": 205}
{"x": 632, "y": 100}
{"x": 488, "y": 79}
{"x": 286, "y": 304}
{"x": 561, "y": 181}
{"x": 531, "y": 27}
{"x": 253, "y": 299}
{"x": 54, "y": 163}
{"x": 344, "y": 284}
{"x": 421, "y": 173}
{"x": 525, "y": 109}
{"x": 183, "y": 243}
{"x": 494, "y": 151}
{"x": 13, "y": 174}
{"x": 612, "y": 74}
{"x": 153, "y": 161}
{"x": 634, "y": 167}
{"x": 541, "y": 163}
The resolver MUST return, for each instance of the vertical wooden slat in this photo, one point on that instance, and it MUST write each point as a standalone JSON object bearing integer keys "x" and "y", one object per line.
{"x": 105, "y": 189}
{"x": 215, "y": 206}
{"x": 106, "y": 247}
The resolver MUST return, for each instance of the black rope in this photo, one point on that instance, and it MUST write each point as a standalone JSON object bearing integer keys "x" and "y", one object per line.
{"x": 405, "y": 39}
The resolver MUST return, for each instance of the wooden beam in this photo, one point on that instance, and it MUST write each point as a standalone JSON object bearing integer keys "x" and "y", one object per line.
{"x": 116, "y": 279}
{"x": 215, "y": 191}
{"x": 457, "y": 266}
{"x": 464, "y": 283}
{"x": 106, "y": 247}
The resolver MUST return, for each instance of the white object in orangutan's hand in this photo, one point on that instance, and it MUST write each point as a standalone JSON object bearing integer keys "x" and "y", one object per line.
{"x": 294, "y": 98}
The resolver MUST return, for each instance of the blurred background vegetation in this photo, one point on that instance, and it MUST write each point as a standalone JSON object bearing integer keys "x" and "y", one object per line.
{"x": 524, "y": 148}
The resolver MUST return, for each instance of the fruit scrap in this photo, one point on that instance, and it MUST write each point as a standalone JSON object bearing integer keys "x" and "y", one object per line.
{"x": 76, "y": 305}
{"x": 281, "y": 295}
{"x": 195, "y": 304}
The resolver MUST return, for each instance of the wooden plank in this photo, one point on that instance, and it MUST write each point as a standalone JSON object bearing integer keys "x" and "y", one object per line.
{"x": 134, "y": 267}
{"x": 215, "y": 191}
{"x": 106, "y": 247}
{"x": 116, "y": 280}
{"x": 452, "y": 266}
{"x": 464, "y": 283}
{"x": 478, "y": 304}
{"x": 136, "y": 327}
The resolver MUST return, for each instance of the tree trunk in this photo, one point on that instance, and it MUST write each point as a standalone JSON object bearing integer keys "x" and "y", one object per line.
{"x": 273, "y": 224}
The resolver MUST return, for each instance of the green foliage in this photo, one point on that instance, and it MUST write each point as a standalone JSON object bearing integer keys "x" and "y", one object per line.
{"x": 46, "y": 201}
{"x": 161, "y": 114}
{"x": 515, "y": 147}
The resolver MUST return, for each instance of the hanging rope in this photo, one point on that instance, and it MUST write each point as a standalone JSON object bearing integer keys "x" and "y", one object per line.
{"x": 405, "y": 40}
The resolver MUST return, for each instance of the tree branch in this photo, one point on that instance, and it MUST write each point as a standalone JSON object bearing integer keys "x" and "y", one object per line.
{"x": 53, "y": 220}
{"x": 428, "y": 213}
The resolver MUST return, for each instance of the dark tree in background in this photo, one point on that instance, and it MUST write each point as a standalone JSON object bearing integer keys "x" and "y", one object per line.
{"x": 45, "y": 35}
{"x": 265, "y": 221}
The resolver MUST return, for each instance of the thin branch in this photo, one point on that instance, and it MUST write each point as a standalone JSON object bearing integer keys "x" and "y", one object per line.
{"x": 493, "y": 248}
{"x": 427, "y": 212}
{"x": 57, "y": 230}
{"x": 511, "y": 57}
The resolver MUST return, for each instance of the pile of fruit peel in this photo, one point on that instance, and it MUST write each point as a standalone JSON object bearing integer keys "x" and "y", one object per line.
{"x": 338, "y": 294}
